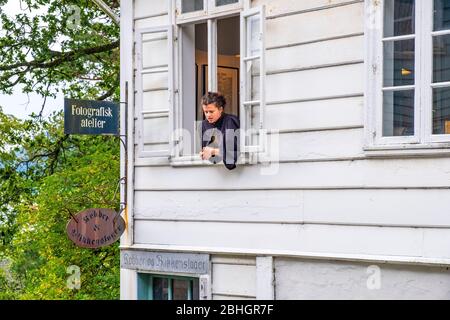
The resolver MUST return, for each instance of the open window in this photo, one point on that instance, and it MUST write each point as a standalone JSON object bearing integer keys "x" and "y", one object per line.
{"x": 225, "y": 54}
{"x": 154, "y": 87}
{"x": 195, "y": 9}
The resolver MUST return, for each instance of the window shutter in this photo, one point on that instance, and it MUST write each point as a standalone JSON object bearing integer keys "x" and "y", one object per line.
{"x": 154, "y": 91}
{"x": 253, "y": 76}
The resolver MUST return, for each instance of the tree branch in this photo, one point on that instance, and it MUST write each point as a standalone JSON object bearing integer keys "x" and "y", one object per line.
{"x": 63, "y": 57}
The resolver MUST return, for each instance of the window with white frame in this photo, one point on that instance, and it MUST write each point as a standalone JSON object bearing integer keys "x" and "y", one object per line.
{"x": 187, "y": 9}
{"x": 177, "y": 64}
{"x": 408, "y": 60}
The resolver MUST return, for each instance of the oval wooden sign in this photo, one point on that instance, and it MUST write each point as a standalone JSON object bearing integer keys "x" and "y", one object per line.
{"x": 94, "y": 228}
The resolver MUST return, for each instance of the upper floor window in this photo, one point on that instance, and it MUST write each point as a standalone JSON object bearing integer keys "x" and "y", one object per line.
{"x": 192, "y": 9}
{"x": 176, "y": 64}
{"x": 408, "y": 62}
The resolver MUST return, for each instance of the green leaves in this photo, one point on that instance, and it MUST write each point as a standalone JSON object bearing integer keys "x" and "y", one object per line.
{"x": 53, "y": 45}
{"x": 55, "y": 175}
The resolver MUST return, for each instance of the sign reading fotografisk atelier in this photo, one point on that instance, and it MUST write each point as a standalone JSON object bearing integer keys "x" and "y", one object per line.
{"x": 91, "y": 117}
{"x": 164, "y": 262}
{"x": 94, "y": 228}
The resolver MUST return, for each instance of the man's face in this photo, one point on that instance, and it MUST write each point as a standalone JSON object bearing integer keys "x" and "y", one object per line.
{"x": 212, "y": 112}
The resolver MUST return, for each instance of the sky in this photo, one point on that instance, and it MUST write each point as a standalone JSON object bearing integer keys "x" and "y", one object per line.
{"x": 19, "y": 104}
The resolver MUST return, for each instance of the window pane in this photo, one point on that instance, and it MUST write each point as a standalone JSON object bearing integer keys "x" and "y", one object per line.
{"x": 441, "y": 14}
{"x": 224, "y": 2}
{"x": 253, "y": 36}
{"x": 398, "y": 17}
{"x": 180, "y": 289}
{"x": 160, "y": 289}
{"x": 191, "y": 5}
{"x": 441, "y": 58}
{"x": 398, "y": 113}
{"x": 398, "y": 63}
{"x": 441, "y": 111}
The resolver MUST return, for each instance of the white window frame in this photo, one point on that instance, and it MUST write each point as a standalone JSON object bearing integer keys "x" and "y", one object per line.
{"x": 181, "y": 160}
{"x": 210, "y": 10}
{"x": 374, "y": 38}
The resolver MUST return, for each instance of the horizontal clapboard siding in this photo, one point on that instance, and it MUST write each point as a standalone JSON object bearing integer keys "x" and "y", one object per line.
{"x": 329, "y": 113}
{"x": 404, "y": 173}
{"x": 313, "y": 25}
{"x": 282, "y": 7}
{"x": 395, "y": 207}
{"x": 413, "y": 242}
{"x": 144, "y": 8}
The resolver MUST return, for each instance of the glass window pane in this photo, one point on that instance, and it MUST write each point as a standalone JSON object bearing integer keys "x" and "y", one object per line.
{"x": 441, "y": 111}
{"x": 441, "y": 14}
{"x": 160, "y": 289}
{"x": 180, "y": 289}
{"x": 191, "y": 5}
{"x": 398, "y": 113}
{"x": 253, "y": 36}
{"x": 398, "y": 17}
{"x": 224, "y": 2}
{"x": 398, "y": 63}
{"x": 441, "y": 58}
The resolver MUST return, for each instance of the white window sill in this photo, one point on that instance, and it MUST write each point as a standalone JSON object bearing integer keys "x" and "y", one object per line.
{"x": 408, "y": 150}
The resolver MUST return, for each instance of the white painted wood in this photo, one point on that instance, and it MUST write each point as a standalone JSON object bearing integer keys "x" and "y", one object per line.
{"x": 316, "y": 114}
{"x": 143, "y": 9}
{"x": 415, "y": 208}
{"x": 391, "y": 259}
{"x": 230, "y": 297}
{"x": 437, "y": 242}
{"x": 315, "y": 54}
{"x": 128, "y": 283}
{"x": 379, "y": 207}
{"x": 252, "y": 86}
{"x": 152, "y": 22}
{"x": 316, "y": 280}
{"x": 155, "y": 130}
{"x": 288, "y": 6}
{"x": 315, "y": 25}
{"x": 319, "y": 144}
{"x": 154, "y": 127}
{"x": 318, "y": 83}
{"x": 155, "y": 100}
{"x": 243, "y": 279}
{"x": 355, "y": 174}
{"x": 306, "y": 238}
{"x": 149, "y": 59}
{"x": 235, "y": 260}
{"x": 265, "y": 278}
{"x": 220, "y": 205}
{"x": 127, "y": 76}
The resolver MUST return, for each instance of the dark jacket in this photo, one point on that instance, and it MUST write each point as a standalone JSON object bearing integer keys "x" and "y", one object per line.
{"x": 223, "y": 134}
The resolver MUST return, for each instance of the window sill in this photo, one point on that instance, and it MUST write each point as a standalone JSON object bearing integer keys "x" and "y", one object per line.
{"x": 196, "y": 161}
{"x": 410, "y": 150}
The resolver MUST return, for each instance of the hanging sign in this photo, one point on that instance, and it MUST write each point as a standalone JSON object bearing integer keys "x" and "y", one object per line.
{"x": 94, "y": 228}
{"x": 91, "y": 117}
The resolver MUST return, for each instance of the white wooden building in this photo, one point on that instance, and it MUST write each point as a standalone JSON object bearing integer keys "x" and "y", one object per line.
{"x": 343, "y": 190}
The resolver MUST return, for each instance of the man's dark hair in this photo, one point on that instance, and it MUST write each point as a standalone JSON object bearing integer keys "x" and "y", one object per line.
{"x": 214, "y": 97}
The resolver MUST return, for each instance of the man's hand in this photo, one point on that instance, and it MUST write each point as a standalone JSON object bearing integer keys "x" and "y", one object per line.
{"x": 208, "y": 152}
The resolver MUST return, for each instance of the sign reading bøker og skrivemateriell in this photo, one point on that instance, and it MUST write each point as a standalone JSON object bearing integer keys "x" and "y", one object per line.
{"x": 91, "y": 117}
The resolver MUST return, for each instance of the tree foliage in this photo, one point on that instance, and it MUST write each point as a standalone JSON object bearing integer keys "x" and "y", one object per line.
{"x": 59, "y": 45}
{"x": 45, "y": 175}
